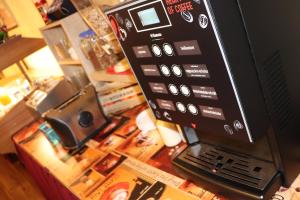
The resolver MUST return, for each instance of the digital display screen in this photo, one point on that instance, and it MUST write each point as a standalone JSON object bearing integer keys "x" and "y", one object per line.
{"x": 148, "y": 17}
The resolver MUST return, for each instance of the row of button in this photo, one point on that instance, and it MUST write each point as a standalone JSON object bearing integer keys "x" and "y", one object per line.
{"x": 190, "y": 107}
{"x": 183, "y": 48}
{"x": 167, "y": 49}
{"x": 183, "y": 89}
{"x": 181, "y": 107}
{"x": 198, "y": 91}
{"x": 191, "y": 70}
{"x": 175, "y": 69}
{"x": 206, "y": 111}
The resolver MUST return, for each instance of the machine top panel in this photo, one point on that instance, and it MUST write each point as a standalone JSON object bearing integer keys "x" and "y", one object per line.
{"x": 176, "y": 54}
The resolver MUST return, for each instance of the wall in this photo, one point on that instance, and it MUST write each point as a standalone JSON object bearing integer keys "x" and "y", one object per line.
{"x": 27, "y": 16}
{"x": 29, "y": 22}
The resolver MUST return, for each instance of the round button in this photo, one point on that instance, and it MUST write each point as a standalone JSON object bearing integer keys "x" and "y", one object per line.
{"x": 157, "y": 114}
{"x": 156, "y": 50}
{"x": 128, "y": 24}
{"x": 152, "y": 104}
{"x": 85, "y": 119}
{"x": 168, "y": 49}
{"x": 176, "y": 70}
{"x": 228, "y": 129}
{"x": 165, "y": 70}
{"x": 167, "y": 116}
{"x": 192, "y": 109}
{"x": 203, "y": 21}
{"x": 173, "y": 89}
{"x": 123, "y": 34}
{"x": 119, "y": 18}
{"x": 181, "y": 107}
{"x": 185, "y": 90}
{"x": 187, "y": 16}
{"x": 238, "y": 125}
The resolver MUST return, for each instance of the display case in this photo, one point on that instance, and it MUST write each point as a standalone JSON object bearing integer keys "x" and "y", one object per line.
{"x": 77, "y": 48}
{"x": 63, "y": 39}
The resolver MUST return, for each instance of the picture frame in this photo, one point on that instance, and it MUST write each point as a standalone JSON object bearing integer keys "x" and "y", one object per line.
{"x": 6, "y": 16}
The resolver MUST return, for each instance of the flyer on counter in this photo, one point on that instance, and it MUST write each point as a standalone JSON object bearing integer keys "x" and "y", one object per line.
{"x": 160, "y": 191}
{"x": 110, "y": 143}
{"x": 127, "y": 129}
{"x": 142, "y": 145}
{"x": 116, "y": 122}
{"x": 109, "y": 163}
{"x": 192, "y": 189}
{"x": 82, "y": 186}
{"x": 154, "y": 173}
{"x": 72, "y": 168}
{"x": 84, "y": 158}
{"x": 123, "y": 183}
{"x": 132, "y": 113}
{"x": 198, "y": 192}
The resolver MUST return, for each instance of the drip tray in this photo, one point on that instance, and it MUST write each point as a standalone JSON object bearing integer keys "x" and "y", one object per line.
{"x": 228, "y": 173}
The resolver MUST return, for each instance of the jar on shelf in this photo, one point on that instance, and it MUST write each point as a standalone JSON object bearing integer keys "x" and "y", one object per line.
{"x": 62, "y": 49}
{"x": 94, "y": 48}
{"x": 93, "y": 16}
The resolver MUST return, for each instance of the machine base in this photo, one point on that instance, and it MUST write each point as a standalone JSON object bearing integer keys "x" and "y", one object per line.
{"x": 229, "y": 174}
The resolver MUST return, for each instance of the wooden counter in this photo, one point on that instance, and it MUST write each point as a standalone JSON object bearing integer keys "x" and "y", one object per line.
{"x": 85, "y": 175}
{"x": 54, "y": 169}
{"x": 14, "y": 120}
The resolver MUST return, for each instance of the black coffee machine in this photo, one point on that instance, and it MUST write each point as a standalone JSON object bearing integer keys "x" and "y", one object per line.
{"x": 227, "y": 72}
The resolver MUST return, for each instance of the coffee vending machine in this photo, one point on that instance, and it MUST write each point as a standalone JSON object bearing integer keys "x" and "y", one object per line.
{"x": 228, "y": 73}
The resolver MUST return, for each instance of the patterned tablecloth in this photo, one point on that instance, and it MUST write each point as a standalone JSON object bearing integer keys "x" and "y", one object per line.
{"x": 126, "y": 162}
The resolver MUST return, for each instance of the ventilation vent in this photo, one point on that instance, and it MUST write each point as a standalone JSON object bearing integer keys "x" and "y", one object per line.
{"x": 241, "y": 170}
{"x": 276, "y": 92}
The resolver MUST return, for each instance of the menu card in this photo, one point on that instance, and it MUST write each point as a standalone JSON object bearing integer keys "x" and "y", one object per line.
{"x": 142, "y": 145}
{"x": 122, "y": 183}
{"x": 155, "y": 173}
{"x": 85, "y": 183}
{"x": 110, "y": 143}
{"x": 160, "y": 191}
{"x": 108, "y": 163}
{"x": 71, "y": 168}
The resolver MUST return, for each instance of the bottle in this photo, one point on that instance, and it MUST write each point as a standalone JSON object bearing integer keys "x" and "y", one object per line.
{"x": 86, "y": 46}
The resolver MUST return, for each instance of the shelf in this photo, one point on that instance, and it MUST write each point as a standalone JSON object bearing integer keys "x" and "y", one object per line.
{"x": 51, "y": 25}
{"x": 18, "y": 48}
{"x": 69, "y": 29}
{"x": 104, "y": 76}
{"x": 69, "y": 62}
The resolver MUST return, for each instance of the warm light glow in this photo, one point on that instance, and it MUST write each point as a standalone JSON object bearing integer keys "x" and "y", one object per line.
{"x": 29, "y": 22}
{"x": 44, "y": 63}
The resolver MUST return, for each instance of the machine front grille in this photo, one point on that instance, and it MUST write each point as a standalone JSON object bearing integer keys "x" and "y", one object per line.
{"x": 228, "y": 167}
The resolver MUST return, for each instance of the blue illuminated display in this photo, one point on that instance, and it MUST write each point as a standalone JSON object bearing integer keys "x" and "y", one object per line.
{"x": 148, "y": 17}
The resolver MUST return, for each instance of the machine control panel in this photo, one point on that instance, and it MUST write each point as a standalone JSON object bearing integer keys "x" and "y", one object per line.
{"x": 177, "y": 56}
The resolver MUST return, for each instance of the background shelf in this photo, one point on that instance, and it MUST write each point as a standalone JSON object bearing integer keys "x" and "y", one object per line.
{"x": 70, "y": 62}
{"x": 104, "y": 76}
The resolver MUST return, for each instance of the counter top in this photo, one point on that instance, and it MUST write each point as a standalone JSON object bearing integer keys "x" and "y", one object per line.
{"x": 120, "y": 160}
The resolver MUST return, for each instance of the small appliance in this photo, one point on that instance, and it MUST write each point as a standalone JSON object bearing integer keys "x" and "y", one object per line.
{"x": 78, "y": 119}
{"x": 51, "y": 94}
